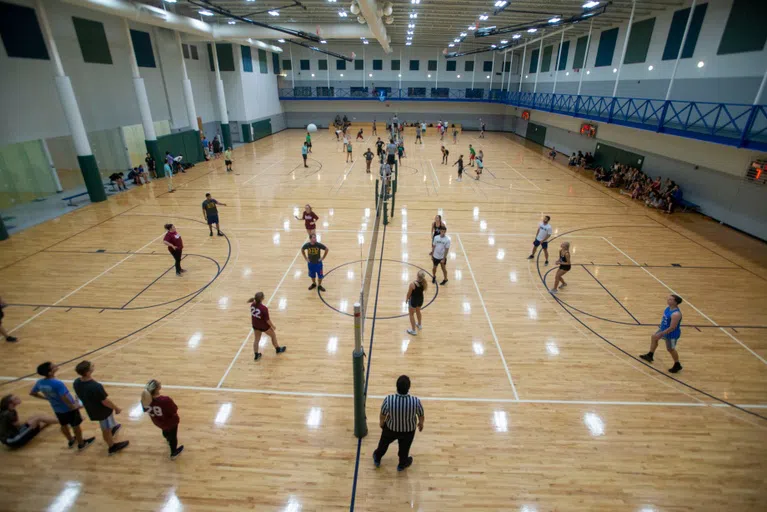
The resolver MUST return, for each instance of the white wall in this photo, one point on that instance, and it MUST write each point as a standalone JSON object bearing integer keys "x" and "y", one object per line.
{"x": 259, "y": 89}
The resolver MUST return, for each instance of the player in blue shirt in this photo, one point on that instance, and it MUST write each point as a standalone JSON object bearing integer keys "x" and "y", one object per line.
{"x": 670, "y": 330}
{"x": 63, "y": 403}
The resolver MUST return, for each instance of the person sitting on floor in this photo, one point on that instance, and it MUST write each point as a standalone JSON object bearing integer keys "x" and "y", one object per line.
{"x": 573, "y": 161}
{"x": 117, "y": 179}
{"x": 13, "y": 432}
{"x": 142, "y": 174}
{"x": 553, "y": 153}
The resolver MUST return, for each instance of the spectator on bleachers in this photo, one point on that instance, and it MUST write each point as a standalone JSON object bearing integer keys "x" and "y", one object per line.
{"x": 553, "y": 153}
{"x": 142, "y": 174}
{"x": 573, "y": 161}
{"x": 117, "y": 179}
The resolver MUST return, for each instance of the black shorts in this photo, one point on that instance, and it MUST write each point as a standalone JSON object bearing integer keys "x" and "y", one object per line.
{"x": 390, "y": 159}
{"x": 565, "y": 268}
{"x": 437, "y": 262}
{"x": 25, "y": 435}
{"x": 71, "y": 418}
{"x": 228, "y": 162}
{"x": 416, "y": 302}
{"x": 536, "y": 243}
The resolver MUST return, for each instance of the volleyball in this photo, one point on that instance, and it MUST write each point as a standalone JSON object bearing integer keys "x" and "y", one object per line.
{"x": 311, "y": 128}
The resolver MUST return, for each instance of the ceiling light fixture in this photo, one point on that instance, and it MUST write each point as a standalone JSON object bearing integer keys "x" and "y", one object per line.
{"x": 408, "y": 43}
{"x": 280, "y": 40}
{"x": 409, "y": 38}
{"x": 410, "y": 32}
{"x": 343, "y": 14}
{"x": 472, "y": 27}
{"x": 323, "y": 42}
{"x": 415, "y": 1}
{"x": 650, "y": 68}
{"x": 451, "y": 45}
{"x": 504, "y": 41}
{"x": 532, "y": 30}
{"x": 459, "y": 76}
{"x": 501, "y": 3}
{"x": 555, "y": 19}
{"x": 516, "y": 36}
{"x": 170, "y": 1}
{"x": 483, "y": 17}
{"x": 456, "y": 40}
{"x": 365, "y": 42}
{"x": 413, "y": 15}
{"x": 231, "y": 22}
{"x": 701, "y": 64}
{"x": 590, "y": 5}
{"x": 205, "y": 12}
{"x": 493, "y": 46}
{"x": 274, "y": 13}
{"x": 411, "y": 25}
{"x": 464, "y": 34}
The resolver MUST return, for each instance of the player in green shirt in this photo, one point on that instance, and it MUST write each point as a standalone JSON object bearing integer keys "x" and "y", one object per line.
{"x": 309, "y": 141}
{"x": 472, "y": 155}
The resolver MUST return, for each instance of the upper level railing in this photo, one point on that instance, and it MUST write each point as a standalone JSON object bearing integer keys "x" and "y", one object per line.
{"x": 724, "y": 123}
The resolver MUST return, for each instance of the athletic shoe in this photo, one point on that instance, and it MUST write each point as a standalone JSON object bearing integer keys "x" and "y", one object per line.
{"x": 407, "y": 464}
{"x": 412, "y": 332}
{"x": 183, "y": 270}
{"x": 377, "y": 462}
{"x": 419, "y": 326}
{"x": 257, "y": 356}
{"x": 321, "y": 288}
{"x": 71, "y": 443}
{"x": 11, "y": 339}
{"x": 211, "y": 233}
{"x": 281, "y": 349}
{"x": 649, "y": 357}
{"x": 178, "y": 273}
{"x": 546, "y": 262}
{"x": 530, "y": 257}
{"x": 118, "y": 446}
{"x": 675, "y": 368}
{"x": 86, "y": 444}
{"x": 220, "y": 233}
{"x": 443, "y": 283}
{"x": 313, "y": 286}
{"x": 433, "y": 280}
{"x": 116, "y": 429}
{"x": 174, "y": 455}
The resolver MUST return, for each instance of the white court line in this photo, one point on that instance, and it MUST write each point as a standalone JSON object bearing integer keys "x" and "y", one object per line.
{"x": 701, "y": 313}
{"x": 250, "y": 331}
{"x": 262, "y": 172}
{"x": 424, "y": 398}
{"x": 342, "y": 179}
{"x": 487, "y": 315}
{"x": 25, "y": 322}
{"x": 412, "y": 232}
{"x": 434, "y": 173}
{"x": 525, "y": 177}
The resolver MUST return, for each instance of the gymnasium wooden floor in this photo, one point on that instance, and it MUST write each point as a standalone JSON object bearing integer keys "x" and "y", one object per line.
{"x": 533, "y": 403}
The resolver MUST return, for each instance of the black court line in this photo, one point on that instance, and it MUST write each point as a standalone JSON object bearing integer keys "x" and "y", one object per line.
{"x": 611, "y": 295}
{"x": 624, "y": 352}
{"x": 707, "y": 248}
{"x": 367, "y": 373}
{"x": 27, "y": 256}
{"x": 113, "y": 342}
{"x": 674, "y": 266}
{"x": 153, "y": 282}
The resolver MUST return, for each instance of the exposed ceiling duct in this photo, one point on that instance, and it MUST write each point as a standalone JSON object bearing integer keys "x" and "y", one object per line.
{"x": 335, "y": 31}
{"x": 369, "y": 11}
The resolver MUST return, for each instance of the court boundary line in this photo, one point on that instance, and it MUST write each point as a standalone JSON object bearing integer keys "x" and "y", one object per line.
{"x": 611, "y": 295}
{"x": 489, "y": 321}
{"x": 262, "y": 172}
{"x": 25, "y": 322}
{"x": 250, "y": 331}
{"x": 701, "y": 313}
{"x": 312, "y": 394}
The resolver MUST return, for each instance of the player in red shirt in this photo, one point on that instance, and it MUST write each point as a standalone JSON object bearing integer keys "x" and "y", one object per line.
{"x": 310, "y": 220}
{"x": 259, "y": 314}
{"x": 164, "y": 413}
{"x": 175, "y": 246}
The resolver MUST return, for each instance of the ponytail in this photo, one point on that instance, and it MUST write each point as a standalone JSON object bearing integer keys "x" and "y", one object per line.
{"x": 148, "y": 394}
{"x": 258, "y": 298}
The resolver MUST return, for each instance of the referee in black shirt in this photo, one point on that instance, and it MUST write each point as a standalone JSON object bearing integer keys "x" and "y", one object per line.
{"x": 400, "y": 414}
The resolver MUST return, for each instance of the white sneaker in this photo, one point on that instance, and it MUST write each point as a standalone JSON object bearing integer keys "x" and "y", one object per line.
{"x": 419, "y": 326}
{"x": 412, "y": 333}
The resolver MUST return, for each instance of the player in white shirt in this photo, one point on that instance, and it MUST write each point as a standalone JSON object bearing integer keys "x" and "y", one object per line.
{"x": 440, "y": 246}
{"x": 541, "y": 238}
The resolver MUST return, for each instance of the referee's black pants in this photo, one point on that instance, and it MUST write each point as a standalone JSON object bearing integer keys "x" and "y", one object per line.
{"x": 388, "y": 436}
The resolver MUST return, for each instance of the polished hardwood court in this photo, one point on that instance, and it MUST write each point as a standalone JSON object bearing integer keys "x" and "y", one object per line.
{"x": 534, "y": 402}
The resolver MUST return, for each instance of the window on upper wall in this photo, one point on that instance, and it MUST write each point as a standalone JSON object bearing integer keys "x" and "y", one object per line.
{"x": 142, "y": 49}
{"x": 432, "y": 65}
{"x": 415, "y": 65}
{"x": 359, "y": 65}
{"x": 546, "y": 62}
{"x": 193, "y": 51}
{"x": 534, "y": 62}
{"x": 468, "y": 66}
{"x": 305, "y": 66}
{"x": 562, "y": 56}
{"x": 606, "y": 48}
{"x": 21, "y": 32}
{"x": 377, "y": 65}
{"x": 639, "y": 41}
{"x": 323, "y": 65}
{"x": 340, "y": 65}
{"x": 451, "y": 65}
{"x": 487, "y": 66}
{"x": 580, "y": 52}
{"x": 395, "y": 65}
{"x": 225, "y": 57}
{"x": 507, "y": 67}
{"x": 676, "y": 31}
{"x": 745, "y": 28}
{"x": 263, "y": 67}
{"x": 93, "y": 41}
{"x": 287, "y": 64}
{"x": 247, "y": 59}
{"x": 276, "y": 63}
{"x": 185, "y": 51}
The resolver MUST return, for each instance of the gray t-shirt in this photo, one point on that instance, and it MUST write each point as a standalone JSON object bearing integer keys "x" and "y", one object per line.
{"x": 391, "y": 149}
{"x": 313, "y": 251}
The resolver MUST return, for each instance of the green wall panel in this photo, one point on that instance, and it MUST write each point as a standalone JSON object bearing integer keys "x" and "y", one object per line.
{"x": 93, "y": 41}
{"x": 580, "y": 52}
{"x": 262, "y": 129}
{"x": 536, "y": 133}
{"x": 21, "y": 32}
{"x": 276, "y": 63}
{"x": 262, "y": 65}
{"x": 142, "y": 49}
{"x": 546, "y": 63}
{"x": 676, "y": 31}
{"x": 606, "y": 49}
{"x": 225, "y": 57}
{"x": 745, "y": 28}
{"x": 562, "y": 56}
{"x": 639, "y": 41}
{"x": 247, "y": 59}
{"x": 534, "y": 62}
{"x": 606, "y": 155}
